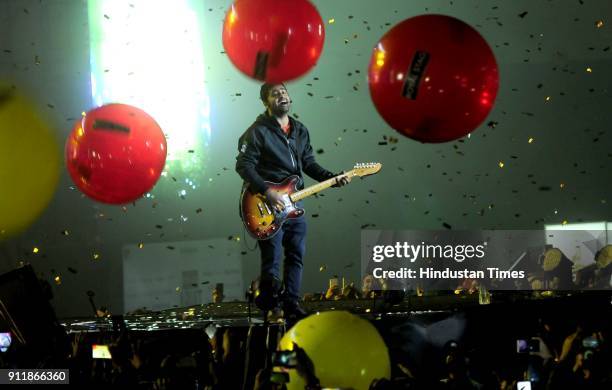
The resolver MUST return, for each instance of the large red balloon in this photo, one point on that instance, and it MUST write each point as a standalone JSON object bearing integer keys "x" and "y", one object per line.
{"x": 116, "y": 153}
{"x": 273, "y": 40}
{"x": 433, "y": 78}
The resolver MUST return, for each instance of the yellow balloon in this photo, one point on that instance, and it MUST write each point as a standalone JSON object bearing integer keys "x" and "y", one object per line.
{"x": 29, "y": 163}
{"x": 347, "y": 351}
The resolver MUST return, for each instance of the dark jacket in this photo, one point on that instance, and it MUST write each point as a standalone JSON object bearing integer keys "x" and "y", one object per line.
{"x": 265, "y": 153}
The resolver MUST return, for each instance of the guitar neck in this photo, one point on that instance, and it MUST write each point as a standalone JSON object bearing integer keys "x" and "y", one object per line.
{"x": 306, "y": 192}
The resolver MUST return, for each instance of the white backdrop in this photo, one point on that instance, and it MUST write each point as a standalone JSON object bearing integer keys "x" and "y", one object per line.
{"x": 158, "y": 277}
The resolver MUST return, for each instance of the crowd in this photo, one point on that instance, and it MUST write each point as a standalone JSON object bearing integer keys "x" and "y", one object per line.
{"x": 554, "y": 353}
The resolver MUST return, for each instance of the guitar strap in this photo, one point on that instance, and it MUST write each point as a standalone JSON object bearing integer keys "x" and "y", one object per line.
{"x": 298, "y": 148}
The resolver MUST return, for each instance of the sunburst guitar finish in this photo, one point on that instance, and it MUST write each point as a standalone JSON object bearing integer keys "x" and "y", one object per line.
{"x": 263, "y": 222}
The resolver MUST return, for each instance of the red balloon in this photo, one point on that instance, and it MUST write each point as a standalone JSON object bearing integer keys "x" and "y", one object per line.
{"x": 273, "y": 40}
{"x": 116, "y": 153}
{"x": 433, "y": 78}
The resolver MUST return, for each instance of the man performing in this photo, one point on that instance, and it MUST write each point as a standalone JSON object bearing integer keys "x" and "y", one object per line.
{"x": 273, "y": 148}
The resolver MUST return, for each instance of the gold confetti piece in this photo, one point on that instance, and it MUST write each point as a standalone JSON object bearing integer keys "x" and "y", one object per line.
{"x": 331, "y": 21}
{"x": 140, "y": 246}
{"x": 36, "y": 60}
{"x": 65, "y": 232}
{"x": 368, "y": 310}
{"x": 589, "y": 70}
{"x": 35, "y": 250}
{"x": 96, "y": 256}
{"x": 83, "y": 113}
{"x": 530, "y": 140}
{"x": 547, "y": 98}
{"x": 562, "y": 185}
{"x": 322, "y": 268}
{"x": 58, "y": 280}
{"x": 564, "y": 222}
{"x": 501, "y": 164}
{"x": 178, "y": 289}
{"x": 599, "y": 24}
{"x": 237, "y": 238}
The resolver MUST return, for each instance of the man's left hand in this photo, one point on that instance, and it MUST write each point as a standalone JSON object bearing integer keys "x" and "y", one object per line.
{"x": 342, "y": 180}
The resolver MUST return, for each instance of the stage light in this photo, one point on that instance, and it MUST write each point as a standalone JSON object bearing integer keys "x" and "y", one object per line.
{"x": 149, "y": 54}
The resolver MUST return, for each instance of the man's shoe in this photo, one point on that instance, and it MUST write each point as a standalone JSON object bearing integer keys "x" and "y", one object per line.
{"x": 294, "y": 311}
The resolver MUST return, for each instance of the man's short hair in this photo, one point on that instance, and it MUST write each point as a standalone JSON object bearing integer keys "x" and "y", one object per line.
{"x": 265, "y": 90}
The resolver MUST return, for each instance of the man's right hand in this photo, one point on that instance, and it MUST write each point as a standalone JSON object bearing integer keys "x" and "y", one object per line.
{"x": 275, "y": 200}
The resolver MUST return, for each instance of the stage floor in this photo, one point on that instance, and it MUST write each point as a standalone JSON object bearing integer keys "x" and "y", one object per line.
{"x": 239, "y": 313}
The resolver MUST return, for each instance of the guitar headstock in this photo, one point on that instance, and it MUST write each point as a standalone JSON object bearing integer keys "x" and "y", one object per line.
{"x": 366, "y": 169}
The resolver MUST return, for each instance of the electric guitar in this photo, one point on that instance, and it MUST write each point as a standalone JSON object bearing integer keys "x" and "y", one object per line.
{"x": 263, "y": 222}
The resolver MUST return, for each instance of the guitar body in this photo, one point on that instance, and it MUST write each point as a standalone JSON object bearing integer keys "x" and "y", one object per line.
{"x": 261, "y": 221}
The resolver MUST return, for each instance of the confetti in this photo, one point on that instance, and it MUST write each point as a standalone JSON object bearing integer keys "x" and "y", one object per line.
{"x": 547, "y": 99}
{"x": 199, "y": 210}
{"x": 530, "y": 140}
{"x": 599, "y": 24}
{"x": 170, "y": 247}
{"x": 561, "y": 185}
{"x": 96, "y": 256}
{"x": 140, "y": 245}
{"x": 589, "y": 70}
{"x": 501, "y": 164}
{"x": 331, "y": 21}
{"x": 65, "y": 232}
{"x": 446, "y": 225}
{"x": 522, "y": 14}
{"x": 58, "y": 280}
{"x": 35, "y": 250}
{"x": 322, "y": 268}
{"x": 74, "y": 271}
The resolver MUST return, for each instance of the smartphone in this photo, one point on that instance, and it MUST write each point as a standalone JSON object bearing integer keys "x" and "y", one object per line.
{"x": 5, "y": 341}
{"x": 590, "y": 342}
{"x": 100, "y": 351}
{"x": 527, "y": 345}
{"x": 287, "y": 359}
{"x": 523, "y": 385}
{"x": 521, "y": 346}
